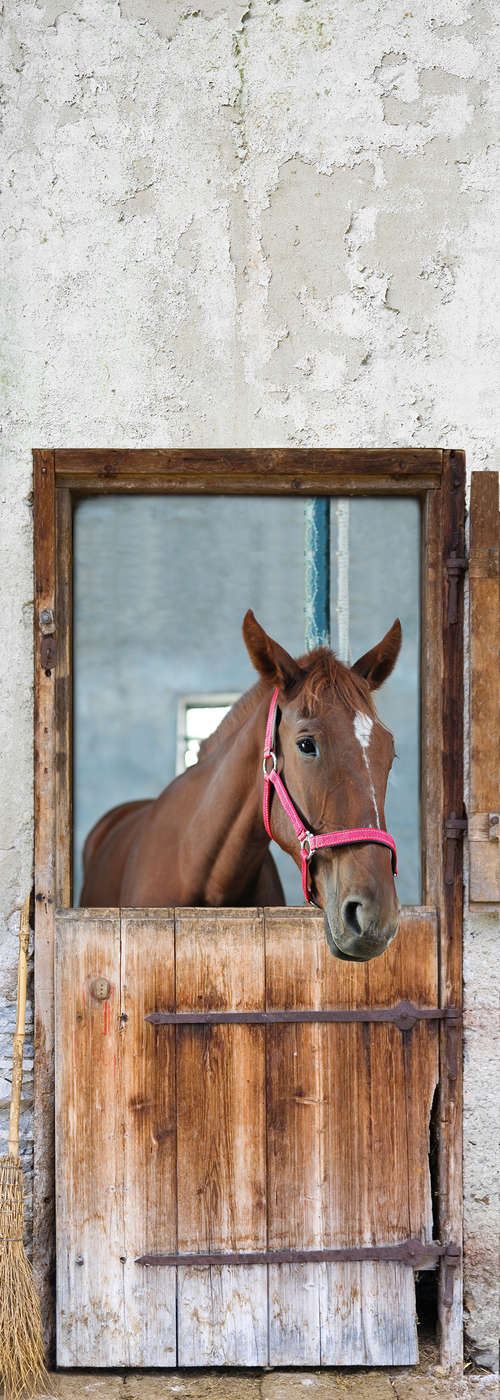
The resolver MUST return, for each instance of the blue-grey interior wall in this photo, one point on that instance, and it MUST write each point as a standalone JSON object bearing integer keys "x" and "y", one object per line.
{"x": 161, "y": 588}
{"x": 384, "y": 583}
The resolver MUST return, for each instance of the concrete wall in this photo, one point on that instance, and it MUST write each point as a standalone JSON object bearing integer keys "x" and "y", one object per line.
{"x": 262, "y": 223}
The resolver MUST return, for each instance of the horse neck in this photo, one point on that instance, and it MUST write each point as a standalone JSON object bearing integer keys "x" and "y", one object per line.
{"x": 232, "y": 803}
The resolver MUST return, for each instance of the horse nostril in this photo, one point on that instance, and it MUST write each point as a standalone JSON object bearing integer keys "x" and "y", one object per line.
{"x": 350, "y": 916}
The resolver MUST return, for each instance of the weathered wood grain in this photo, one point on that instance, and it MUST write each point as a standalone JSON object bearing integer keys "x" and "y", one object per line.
{"x": 367, "y": 1315}
{"x": 294, "y": 1146}
{"x": 148, "y": 1126}
{"x": 221, "y": 1166}
{"x": 89, "y": 1166}
{"x": 253, "y": 471}
{"x": 432, "y": 812}
{"x": 338, "y": 1137}
{"x": 136, "y": 1130}
{"x": 484, "y": 573}
{"x": 64, "y": 699}
{"x": 451, "y": 908}
{"x": 45, "y": 775}
{"x": 294, "y": 1315}
{"x": 222, "y": 1315}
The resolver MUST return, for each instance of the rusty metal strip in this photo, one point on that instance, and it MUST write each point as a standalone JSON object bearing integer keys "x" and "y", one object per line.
{"x": 411, "y": 1252}
{"x": 404, "y": 1015}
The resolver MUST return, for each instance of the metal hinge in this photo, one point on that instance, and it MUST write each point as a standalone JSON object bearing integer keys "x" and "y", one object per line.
{"x": 412, "y": 1252}
{"x": 454, "y": 830}
{"x": 48, "y": 645}
{"x": 450, "y": 1262}
{"x": 453, "y": 1023}
{"x": 456, "y": 566}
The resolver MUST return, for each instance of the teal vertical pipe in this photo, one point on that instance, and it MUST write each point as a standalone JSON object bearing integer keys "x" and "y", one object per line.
{"x": 317, "y": 572}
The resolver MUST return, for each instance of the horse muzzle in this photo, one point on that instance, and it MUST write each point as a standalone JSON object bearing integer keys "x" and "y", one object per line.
{"x": 359, "y": 928}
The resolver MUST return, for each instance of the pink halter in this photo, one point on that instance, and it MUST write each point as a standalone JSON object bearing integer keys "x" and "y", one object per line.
{"x": 309, "y": 843}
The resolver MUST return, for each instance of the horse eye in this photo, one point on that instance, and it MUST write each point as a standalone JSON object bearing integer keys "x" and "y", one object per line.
{"x": 307, "y": 746}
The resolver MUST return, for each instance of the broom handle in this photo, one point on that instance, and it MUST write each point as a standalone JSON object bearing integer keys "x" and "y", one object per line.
{"x": 17, "y": 1058}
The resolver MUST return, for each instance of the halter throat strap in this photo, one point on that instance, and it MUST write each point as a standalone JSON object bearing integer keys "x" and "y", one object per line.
{"x": 309, "y": 843}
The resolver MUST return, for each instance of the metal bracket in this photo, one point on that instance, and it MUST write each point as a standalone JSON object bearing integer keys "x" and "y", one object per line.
{"x": 456, "y": 566}
{"x": 450, "y": 1262}
{"x": 404, "y": 1015}
{"x": 412, "y": 1252}
{"x": 454, "y": 830}
{"x": 48, "y": 645}
{"x": 453, "y": 1024}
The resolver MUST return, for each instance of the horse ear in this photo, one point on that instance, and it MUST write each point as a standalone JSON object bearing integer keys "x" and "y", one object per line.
{"x": 376, "y": 665}
{"x": 271, "y": 661}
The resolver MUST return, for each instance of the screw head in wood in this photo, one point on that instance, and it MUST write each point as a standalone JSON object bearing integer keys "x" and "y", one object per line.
{"x": 47, "y": 624}
{"x": 100, "y": 988}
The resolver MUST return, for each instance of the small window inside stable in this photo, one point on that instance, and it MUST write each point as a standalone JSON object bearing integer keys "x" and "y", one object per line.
{"x": 161, "y": 586}
{"x": 197, "y": 717}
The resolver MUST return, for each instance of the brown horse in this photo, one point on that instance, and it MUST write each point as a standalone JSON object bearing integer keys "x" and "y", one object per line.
{"x": 203, "y": 840}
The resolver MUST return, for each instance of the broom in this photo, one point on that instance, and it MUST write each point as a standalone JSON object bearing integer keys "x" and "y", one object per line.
{"x": 22, "y": 1364}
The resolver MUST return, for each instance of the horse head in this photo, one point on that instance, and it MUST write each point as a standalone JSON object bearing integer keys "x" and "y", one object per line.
{"x": 334, "y": 756}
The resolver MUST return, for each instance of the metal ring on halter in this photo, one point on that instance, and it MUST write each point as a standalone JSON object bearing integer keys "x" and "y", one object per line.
{"x": 271, "y": 754}
{"x": 307, "y": 839}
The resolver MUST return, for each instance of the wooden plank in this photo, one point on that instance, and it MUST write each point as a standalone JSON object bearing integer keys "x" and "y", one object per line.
{"x": 221, "y": 1138}
{"x": 294, "y": 954}
{"x": 339, "y": 1141}
{"x": 431, "y": 683}
{"x": 64, "y": 699}
{"x": 45, "y": 796}
{"x": 451, "y": 906}
{"x": 252, "y": 471}
{"x": 484, "y": 574}
{"x": 148, "y": 1113}
{"x": 294, "y": 1313}
{"x": 421, "y": 1077}
{"x": 89, "y": 1167}
{"x": 377, "y": 1183}
{"x": 484, "y": 860}
{"x": 368, "y": 1315}
{"x": 222, "y": 1315}
{"x": 409, "y": 971}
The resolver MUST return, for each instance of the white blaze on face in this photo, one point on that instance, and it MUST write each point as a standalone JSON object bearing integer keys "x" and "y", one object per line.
{"x": 363, "y": 725}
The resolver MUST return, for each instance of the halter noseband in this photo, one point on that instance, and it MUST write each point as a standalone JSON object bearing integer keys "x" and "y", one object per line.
{"x": 308, "y": 842}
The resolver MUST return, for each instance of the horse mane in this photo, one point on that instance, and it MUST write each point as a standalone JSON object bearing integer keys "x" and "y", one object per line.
{"x": 322, "y": 671}
{"x": 235, "y": 717}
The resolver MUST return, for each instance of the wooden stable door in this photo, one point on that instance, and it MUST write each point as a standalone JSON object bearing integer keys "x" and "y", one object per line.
{"x": 225, "y": 1087}
{"x": 293, "y": 1129}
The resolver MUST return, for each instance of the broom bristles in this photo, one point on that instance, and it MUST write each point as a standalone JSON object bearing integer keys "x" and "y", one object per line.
{"x": 22, "y": 1363}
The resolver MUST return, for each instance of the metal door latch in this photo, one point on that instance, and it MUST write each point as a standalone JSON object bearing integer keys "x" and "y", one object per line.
{"x": 450, "y": 1261}
{"x": 455, "y": 566}
{"x": 454, "y": 830}
{"x": 48, "y": 646}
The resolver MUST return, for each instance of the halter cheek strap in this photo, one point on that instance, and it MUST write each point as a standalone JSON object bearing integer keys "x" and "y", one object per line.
{"x": 308, "y": 842}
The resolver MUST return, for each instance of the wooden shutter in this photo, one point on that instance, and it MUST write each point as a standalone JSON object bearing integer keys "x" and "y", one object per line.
{"x": 484, "y": 803}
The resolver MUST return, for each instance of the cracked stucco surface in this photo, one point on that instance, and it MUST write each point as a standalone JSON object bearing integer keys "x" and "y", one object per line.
{"x": 258, "y": 224}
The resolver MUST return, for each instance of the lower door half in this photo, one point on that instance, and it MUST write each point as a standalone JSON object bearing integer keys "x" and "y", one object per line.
{"x": 212, "y": 1161}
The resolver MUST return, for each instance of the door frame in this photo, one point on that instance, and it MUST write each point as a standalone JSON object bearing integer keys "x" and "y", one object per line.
{"x": 436, "y": 477}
